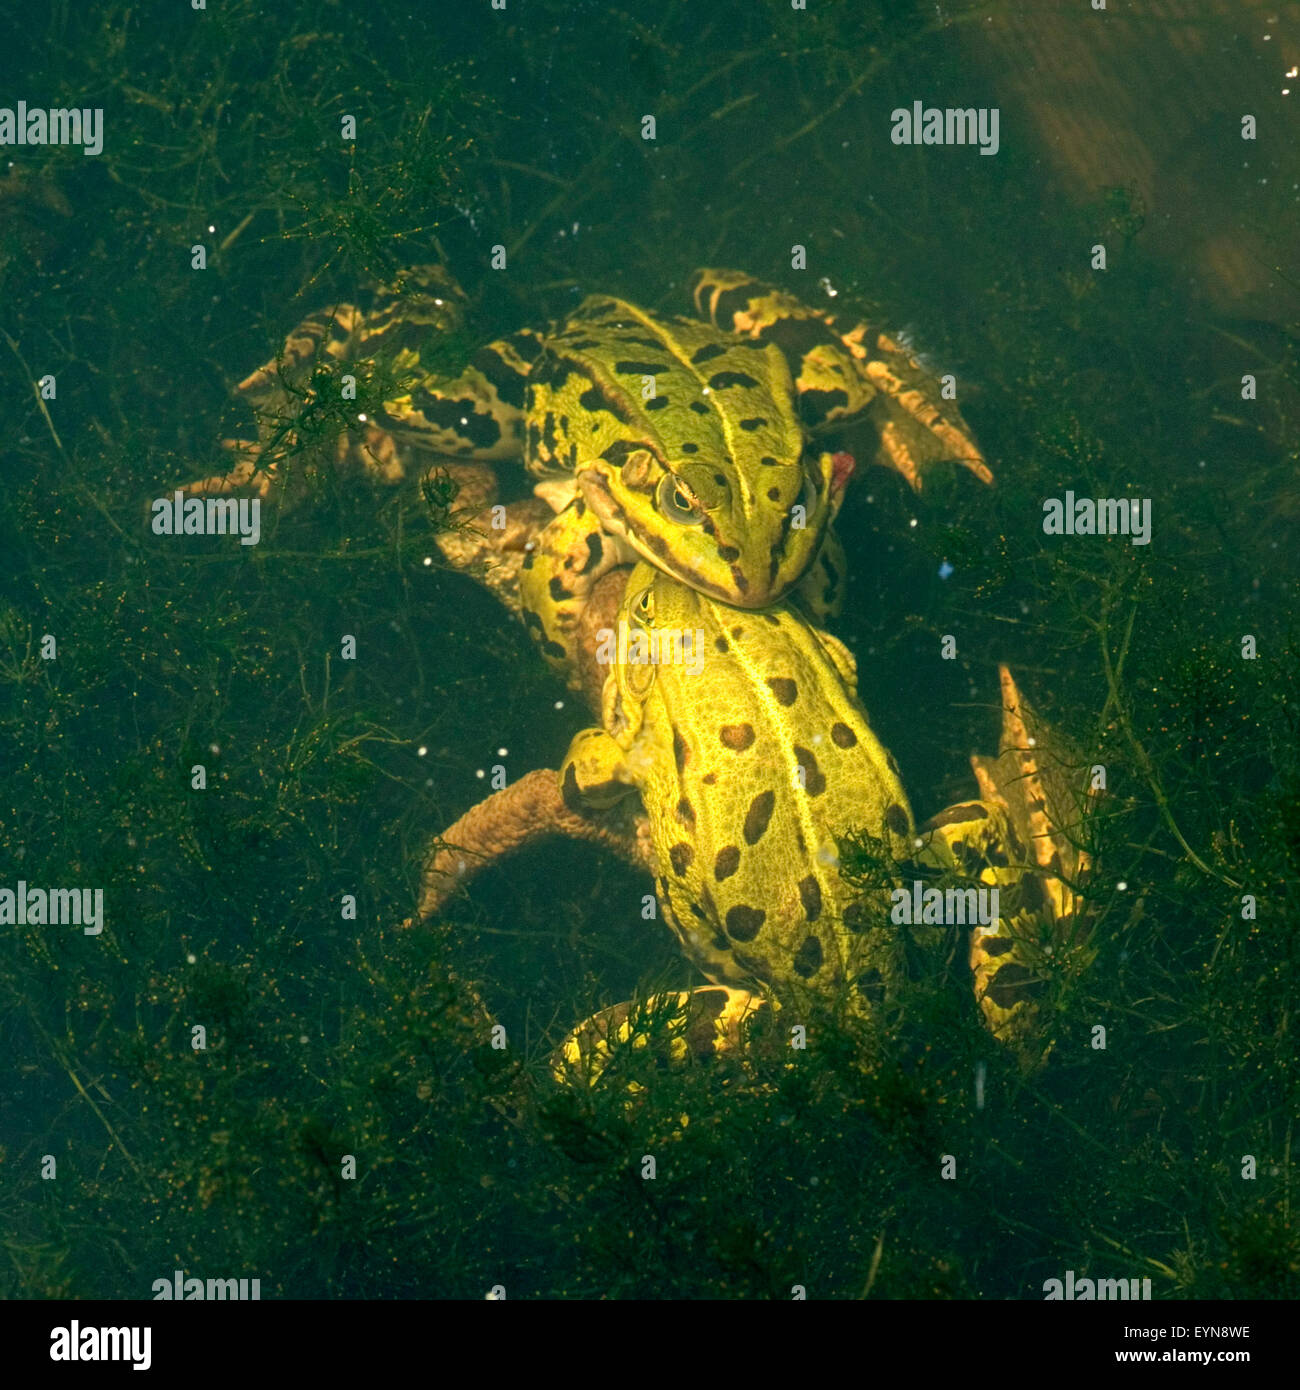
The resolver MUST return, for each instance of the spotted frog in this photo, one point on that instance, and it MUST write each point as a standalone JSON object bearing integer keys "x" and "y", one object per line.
{"x": 690, "y": 444}
{"x": 741, "y": 736}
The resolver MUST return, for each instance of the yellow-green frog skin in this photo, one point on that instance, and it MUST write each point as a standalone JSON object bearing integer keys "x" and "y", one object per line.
{"x": 690, "y": 444}
{"x": 750, "y": 756}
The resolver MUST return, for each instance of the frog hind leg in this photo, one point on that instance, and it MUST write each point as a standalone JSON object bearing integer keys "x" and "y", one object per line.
{"x": 1013, "y": 839}
{"x": 568, "y": 558}
{"x": 976, "y": 840}
{"x": 680, "y": 1028}
{"x": 520, "y": 814}
{"x": 479, "y": 414}
{"x": 843, "y": 367}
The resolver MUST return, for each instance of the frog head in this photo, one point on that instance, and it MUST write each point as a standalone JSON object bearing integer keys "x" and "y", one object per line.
{"x": 743, "y": 530}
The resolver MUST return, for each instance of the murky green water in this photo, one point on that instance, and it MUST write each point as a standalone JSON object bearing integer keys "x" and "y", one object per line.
{"x": 125, "y": 662}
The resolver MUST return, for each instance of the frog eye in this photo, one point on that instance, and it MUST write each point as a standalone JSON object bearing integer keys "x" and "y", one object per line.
{"x": 678, "y": 502}
{"x": 645, "y": 605}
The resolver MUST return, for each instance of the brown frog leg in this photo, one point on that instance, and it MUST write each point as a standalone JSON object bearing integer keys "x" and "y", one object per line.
{"x": 843, "y": 366}
{"x": 520, "y": 814}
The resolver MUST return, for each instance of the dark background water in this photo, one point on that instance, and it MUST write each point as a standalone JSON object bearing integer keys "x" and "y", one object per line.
{"x": 328, "y": 1037}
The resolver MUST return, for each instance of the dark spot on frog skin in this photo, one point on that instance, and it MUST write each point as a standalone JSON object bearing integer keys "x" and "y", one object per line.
{"x": 720, "y": 381}
{"x": 690, "y": 448}
{"x": 557, "y": 590}
{"x": 808, "y": 958}
{"x": 814, "y": 780}
{"x": 756, "y": 423}
{"x": 594, "y": 401}
{"x": 970, "y": 858}
{"x": 480, "y": 429}
{"x": 727, "y": 862}
{"x": 595, "y": 553}
{"x": 769, "y": 461}
{"x": 733, "y": 301}
{"x": 720, "y": 942}
{"x": 728, "y": 553}
{"x": 743, "y": 922}
{"x": 857, "y": 917}
{"x": 896, "y": 819}
{"x": 785, "y": 690}
{"x": 685, "y": 812}
{"x": 709, "y": 778}
{"x": 774, "y": 494}
{"x": 507, "y": 381}
{"x": 996, "y": 945}
{"x": 698, "y": 912}
{"x": 720, "y": 644}
{"x": 680, "y": 856}
{"x": 842, "y": 736}
{"x": 640, "y": 368}
{"x": 657, "y": 403}
{"x": 737, "y": 633}
{"x": 758, "y": 816}
{"x": 810, "y": 894}
{"x": 680, "y": 751}
{"x": 569, "y": 791}
{"x": 616, "y": 454}
{"x": 707, "y": 353}
{"x": 554, "y": 650}
{"x": 737, "y": 737}
{"x": 699, "y": 407}
{"x": 815, "y": 406}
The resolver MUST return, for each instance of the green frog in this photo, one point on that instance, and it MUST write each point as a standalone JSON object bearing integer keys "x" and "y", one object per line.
{"x": 688, "y": 443}
{"x": 741, "y": 737}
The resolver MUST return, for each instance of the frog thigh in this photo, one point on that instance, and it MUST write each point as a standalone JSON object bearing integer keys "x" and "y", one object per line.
{"x": 331, "y": 333}
{"x": 570, "y": 556}
{"x": 479, "y": 414}
{"x": 829, "y": 382}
